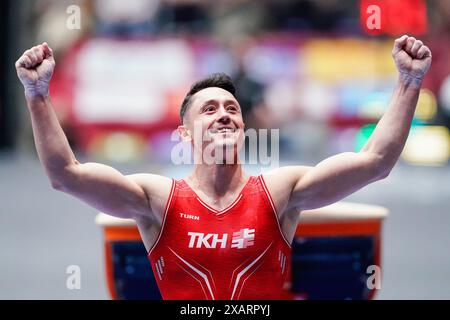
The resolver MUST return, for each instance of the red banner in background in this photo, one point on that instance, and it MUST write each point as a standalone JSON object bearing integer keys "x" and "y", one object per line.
{"x": 393, "y": 17}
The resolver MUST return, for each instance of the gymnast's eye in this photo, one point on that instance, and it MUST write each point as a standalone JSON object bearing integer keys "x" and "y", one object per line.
{"x": 209, "y": 108}
{"x": 232, "y": 108}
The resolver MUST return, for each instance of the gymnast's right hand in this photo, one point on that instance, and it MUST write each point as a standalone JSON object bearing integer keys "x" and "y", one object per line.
{"x": 35, "y": 69}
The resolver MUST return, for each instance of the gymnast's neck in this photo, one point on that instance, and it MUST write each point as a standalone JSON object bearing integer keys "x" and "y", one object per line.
{"x": 218, "y": 179}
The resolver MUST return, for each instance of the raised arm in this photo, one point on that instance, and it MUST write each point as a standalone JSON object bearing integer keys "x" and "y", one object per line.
{"x": 339, "y": 176}
{"x": 99, "y": 185}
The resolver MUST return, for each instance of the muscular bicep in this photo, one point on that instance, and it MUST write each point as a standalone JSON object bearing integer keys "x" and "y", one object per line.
{"x": 333, "y": 179}
{"x": 106, "y": 189}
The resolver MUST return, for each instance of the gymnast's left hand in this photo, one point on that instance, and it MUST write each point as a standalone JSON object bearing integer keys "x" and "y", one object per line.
{"x": 412, "y": 58}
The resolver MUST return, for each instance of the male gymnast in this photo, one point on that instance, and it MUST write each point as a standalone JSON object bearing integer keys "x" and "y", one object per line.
{"x": 220, "y": 233}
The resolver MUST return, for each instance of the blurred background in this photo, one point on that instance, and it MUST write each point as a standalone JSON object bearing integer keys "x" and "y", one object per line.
{"x": 314, "y": 69}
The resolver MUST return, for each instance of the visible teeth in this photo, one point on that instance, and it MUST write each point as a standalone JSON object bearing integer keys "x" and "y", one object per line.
{"x": 223, "y": 130}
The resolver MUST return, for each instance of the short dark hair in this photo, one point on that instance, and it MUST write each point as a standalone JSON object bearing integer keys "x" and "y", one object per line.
{"x": 220, "y": 80}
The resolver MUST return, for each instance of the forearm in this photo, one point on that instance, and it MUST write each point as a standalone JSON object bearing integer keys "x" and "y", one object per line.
{"x": 52, "y": 146}
{"x": 391, "y": 132}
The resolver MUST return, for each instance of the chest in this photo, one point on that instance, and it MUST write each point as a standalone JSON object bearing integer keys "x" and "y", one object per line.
{"x": 248, "y": 223}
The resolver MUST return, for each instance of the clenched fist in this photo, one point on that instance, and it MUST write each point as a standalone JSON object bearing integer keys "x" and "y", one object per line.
{"x": 412, "y": 58}
{"x": 35, "y": 69}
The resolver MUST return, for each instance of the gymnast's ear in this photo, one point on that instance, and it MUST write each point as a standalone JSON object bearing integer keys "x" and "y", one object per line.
{"x": 184, "y": 133}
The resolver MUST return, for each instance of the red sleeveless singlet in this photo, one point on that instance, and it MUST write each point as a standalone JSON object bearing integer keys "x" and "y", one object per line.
{"x": 236, "y": 253}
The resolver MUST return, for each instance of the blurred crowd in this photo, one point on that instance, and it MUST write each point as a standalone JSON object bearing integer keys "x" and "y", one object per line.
{"x": 304, "y": 66}
{"x": 222, "y": 18}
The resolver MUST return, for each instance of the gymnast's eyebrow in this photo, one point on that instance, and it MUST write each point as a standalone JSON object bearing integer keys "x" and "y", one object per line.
{"x": 215, "y": 102}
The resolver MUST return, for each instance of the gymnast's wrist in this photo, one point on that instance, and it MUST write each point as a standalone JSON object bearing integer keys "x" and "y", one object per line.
{"x": 40, "y": 92}
{"x": 409, "y": 80}
{"x": 33, "y": 98}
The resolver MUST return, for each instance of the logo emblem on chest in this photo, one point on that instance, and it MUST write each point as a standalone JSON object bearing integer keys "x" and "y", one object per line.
{"x": 241, "y": 239}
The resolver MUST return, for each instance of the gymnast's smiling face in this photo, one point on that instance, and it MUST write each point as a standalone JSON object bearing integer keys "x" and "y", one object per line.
{"x": 213, "y": 121}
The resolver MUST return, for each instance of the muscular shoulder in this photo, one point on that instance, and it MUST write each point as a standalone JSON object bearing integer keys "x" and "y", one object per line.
{"x": 280, "y": 183}
{"x": 156, "y": 187}
{"x": 285, "y": 178}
